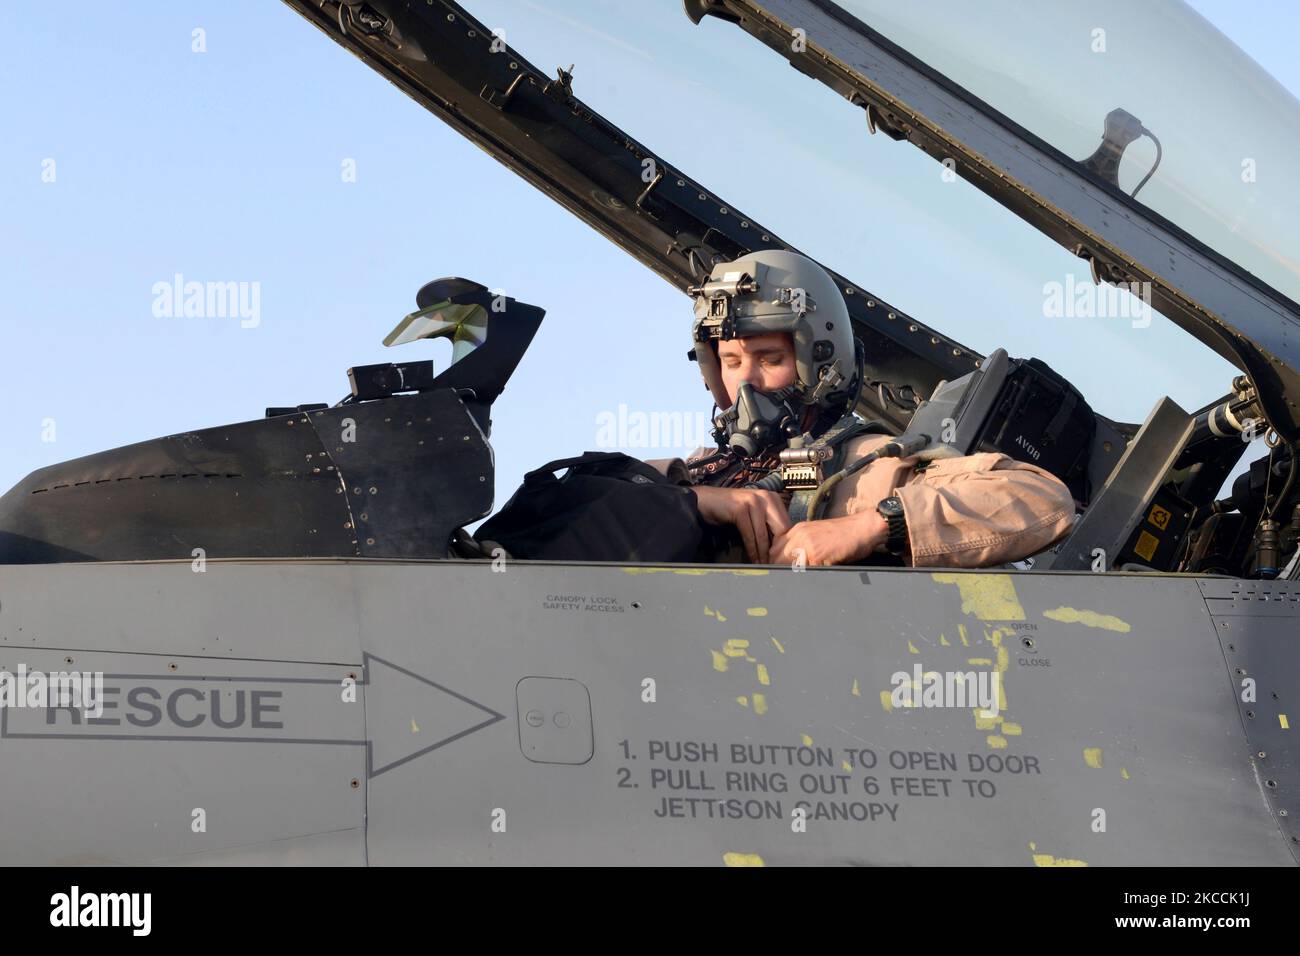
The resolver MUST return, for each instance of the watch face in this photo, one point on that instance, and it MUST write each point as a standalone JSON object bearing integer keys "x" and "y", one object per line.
{"x": 890, "y": 506}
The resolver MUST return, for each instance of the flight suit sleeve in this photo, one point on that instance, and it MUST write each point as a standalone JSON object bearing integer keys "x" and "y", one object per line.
{"x": 970, "y": 512}
{"x": 674, "y": 469}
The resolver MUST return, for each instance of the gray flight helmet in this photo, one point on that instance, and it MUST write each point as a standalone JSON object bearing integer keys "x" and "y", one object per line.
{"x": 773, "y": 290}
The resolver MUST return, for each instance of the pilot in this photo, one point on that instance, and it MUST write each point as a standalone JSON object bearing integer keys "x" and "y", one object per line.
{"x": 775, "y": 346}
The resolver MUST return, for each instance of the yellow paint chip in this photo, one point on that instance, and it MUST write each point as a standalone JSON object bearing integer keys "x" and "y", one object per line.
{"x": 743, "y": 701}
{"x": 1071, "y": 615}
{"x": 985, "y": 723}
{"x": 1092, "y": 757}
{"x": 742, "y": 859}
{"x": 989, "y": 597}
{"x": 762, "y": 675}
{"x": 980, "y": 661}
{"x": 807, "y": 741}
{"x": 1123, "y": 772}
{"x": 1011, "y": 730}
{"x": 846, "y": 766}
{"x": 1046, "y": 859}
{"x": 911, "y": 648}
{"x": 1281, "y": 719}
{"x": 760, "y": 704}
{"x": 961, "y": 632}
{"x": 777, "y": 645}
{"x": 756, "y": 611}
{"x": 415, "y": 728}
{"x": 944, "y": 642}
{"x": 996, "y": 742}
{"x": 719, "y": 662}
{"x": 735, "y": 647}
{"x": 856, "y": 691}
{"x": 709, "y": 612}
{"x": 887, "y": 701}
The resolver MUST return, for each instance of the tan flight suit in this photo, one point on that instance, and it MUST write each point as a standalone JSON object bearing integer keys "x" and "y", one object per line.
{"x": 972, "y": 512}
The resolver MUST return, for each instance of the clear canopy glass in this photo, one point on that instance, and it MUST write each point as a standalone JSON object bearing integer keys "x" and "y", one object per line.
{"x": 1230, "y": 132}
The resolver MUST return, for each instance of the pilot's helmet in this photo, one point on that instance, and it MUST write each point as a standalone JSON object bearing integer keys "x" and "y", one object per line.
{"x": 773, "y": 290}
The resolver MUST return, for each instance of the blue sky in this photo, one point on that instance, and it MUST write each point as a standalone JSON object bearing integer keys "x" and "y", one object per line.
{"x": 225, "y": 166}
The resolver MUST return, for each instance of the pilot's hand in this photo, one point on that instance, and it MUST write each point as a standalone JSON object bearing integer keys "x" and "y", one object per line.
{"x": 831, "y": 540}
{"x": 758, "y": 515}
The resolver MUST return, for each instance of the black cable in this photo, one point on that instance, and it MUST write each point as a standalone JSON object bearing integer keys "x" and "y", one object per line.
{"x": 1159, "y": 154}
{"x": 1287, "y": 485}
{"x": 827, "y": 486}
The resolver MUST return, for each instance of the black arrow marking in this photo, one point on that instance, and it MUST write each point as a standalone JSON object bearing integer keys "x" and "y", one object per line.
{"x": 367, "y": 659}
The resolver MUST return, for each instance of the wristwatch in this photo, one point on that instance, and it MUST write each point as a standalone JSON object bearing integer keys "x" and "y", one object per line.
{"x": 891, "y": 509}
